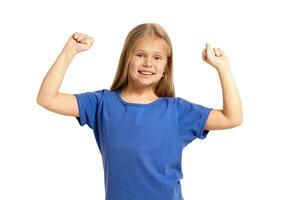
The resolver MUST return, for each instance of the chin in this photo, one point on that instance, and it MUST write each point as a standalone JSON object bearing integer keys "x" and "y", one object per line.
{"x": 145, "y": 83}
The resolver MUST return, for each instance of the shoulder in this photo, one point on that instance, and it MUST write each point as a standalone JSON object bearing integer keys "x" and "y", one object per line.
{"x": 176, "y": 101}
{"x": 102, "y": 92}
{"x": 183, "y": 105}
{"x": 180, "y": 101}
{"x": 93, "y": 95}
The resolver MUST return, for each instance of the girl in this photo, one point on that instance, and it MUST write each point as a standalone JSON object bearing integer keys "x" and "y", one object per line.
{"x": 139, "y": 125}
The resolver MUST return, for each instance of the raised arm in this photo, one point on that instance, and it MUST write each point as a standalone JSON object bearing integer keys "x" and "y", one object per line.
{"x": 231, "y": 115}
{"x": 49, "y": 96}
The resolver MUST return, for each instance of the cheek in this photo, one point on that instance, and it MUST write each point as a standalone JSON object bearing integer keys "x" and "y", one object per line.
{"x": 162, "y": 67}
{"x": 134, "y": 64}
{"x": 133, "y": 69}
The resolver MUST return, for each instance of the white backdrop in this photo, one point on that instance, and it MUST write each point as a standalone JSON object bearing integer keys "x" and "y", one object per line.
{"x": 45, "y": 155}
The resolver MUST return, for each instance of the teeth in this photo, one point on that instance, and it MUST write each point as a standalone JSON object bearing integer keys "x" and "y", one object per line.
{"x": 143, "y": 72}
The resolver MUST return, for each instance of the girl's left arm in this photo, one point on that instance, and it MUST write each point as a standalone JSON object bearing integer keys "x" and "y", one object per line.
{"x": 231, "y": 115}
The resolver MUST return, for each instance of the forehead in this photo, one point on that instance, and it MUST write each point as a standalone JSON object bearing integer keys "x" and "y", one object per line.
{"x": 157, "y": 45}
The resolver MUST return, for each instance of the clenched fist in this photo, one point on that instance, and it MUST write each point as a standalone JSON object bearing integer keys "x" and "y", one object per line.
{"x": 216, "y": 57}
{"x": 79, "y": 42}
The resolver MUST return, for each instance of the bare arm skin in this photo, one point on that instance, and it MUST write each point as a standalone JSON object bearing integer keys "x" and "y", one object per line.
{"x": 232, "y": 114}
{"x": 49, "y": 96}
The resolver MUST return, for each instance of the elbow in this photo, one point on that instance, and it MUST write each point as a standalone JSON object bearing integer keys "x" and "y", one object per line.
{"x": 237, "y": 122}
{"x": 39, "y": 101}
{"x": 43, "y": 100}
{"x": 234, "y": 121}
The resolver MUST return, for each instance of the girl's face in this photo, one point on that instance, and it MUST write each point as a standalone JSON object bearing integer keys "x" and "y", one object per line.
{"x": 148, "y": 61}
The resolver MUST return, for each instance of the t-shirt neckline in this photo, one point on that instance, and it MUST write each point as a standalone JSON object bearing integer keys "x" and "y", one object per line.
{"x": 118, "y": 92}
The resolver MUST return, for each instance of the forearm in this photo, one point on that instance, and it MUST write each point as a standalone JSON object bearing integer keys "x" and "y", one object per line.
{"x": 232, "y": 107}
{"x": 54, "y": 77}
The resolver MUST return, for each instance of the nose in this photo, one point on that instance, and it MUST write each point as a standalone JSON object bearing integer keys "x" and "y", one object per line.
{"x": 147, "y": 62}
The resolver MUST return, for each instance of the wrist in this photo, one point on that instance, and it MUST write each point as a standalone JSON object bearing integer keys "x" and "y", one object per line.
{"x": 69, "y": 53}
{"x": 223, "y": 68}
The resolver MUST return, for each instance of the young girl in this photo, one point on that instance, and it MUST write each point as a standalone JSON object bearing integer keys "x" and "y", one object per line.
{"x": 140, "y": 126}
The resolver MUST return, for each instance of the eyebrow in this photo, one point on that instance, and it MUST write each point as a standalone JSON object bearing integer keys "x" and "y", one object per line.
{"x": 157, "y": 52}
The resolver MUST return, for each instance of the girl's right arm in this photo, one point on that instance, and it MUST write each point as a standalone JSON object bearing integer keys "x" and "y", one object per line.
{"x": 49, "y": 96}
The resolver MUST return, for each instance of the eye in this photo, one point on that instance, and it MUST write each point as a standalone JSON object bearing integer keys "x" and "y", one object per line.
{"x": 140, "y": 55}
{"x": 157, "y": 57}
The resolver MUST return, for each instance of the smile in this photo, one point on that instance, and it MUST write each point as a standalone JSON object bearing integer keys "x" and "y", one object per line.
{"x": 146, "y": 73}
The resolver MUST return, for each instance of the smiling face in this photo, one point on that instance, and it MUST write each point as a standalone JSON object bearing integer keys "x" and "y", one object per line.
{"x": 148, "y": 61}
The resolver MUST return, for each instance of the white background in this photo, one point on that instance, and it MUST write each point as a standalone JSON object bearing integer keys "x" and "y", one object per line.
{"x": 45, "y": 155}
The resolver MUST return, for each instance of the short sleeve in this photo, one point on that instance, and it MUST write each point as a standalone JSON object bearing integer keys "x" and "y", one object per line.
{"x": 88, "y": 106}
{"x": 191, "y": 118}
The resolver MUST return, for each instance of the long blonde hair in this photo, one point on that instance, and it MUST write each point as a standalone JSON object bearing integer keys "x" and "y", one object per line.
{"x": 165, "y": 86}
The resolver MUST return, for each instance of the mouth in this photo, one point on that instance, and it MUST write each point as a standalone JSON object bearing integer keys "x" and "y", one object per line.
{"x": 146, "y": 73}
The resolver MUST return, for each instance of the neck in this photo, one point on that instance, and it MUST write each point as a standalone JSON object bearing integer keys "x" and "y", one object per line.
{"x": 140, "y": 92}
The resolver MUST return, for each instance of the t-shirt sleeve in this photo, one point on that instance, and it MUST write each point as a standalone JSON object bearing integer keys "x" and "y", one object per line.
{"x": 191, "y": 118}
{"x": 88, "y": 106}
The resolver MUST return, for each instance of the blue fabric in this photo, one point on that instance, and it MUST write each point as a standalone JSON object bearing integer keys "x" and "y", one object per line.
{"x": 141, "y": 144}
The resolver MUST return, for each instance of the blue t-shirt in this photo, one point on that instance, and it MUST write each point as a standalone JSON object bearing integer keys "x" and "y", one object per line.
{"x": 141, "y": 144}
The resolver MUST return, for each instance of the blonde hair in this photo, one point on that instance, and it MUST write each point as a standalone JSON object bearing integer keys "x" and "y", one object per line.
{"x": 165, "y": 86}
